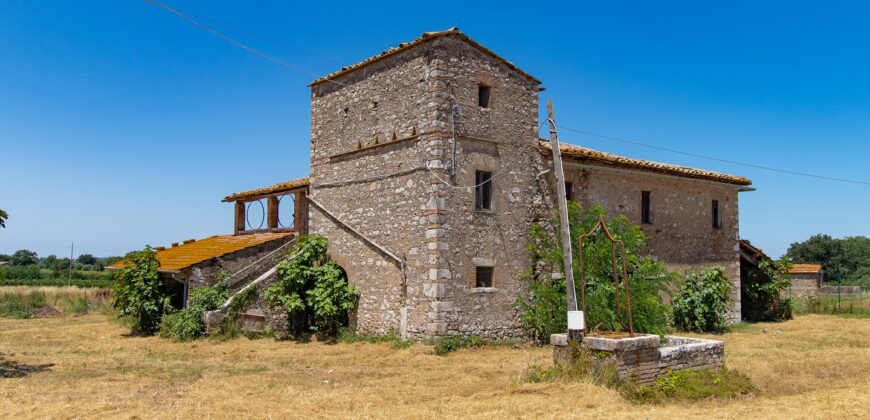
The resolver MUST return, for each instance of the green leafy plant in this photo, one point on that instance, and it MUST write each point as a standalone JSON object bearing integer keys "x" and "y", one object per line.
{"x": 188, "y": 324}
{"x": 312, "y": 289}
{"x": 544, "y": 311}
{"x": 691, "y": 385}
{"x": 762, "y": 293}
{"x": 703, "y": 301}
{"x": 139, "y": 292}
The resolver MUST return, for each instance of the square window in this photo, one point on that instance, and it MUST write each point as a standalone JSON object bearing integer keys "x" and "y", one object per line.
{"x": 482, "y": 190}
{"x": 483, "y": 277}
{"x": 645, "y": 207}
{"x": 483, "y": 92}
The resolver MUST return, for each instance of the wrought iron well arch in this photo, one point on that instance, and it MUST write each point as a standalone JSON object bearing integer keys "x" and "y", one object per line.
{"x": 613, "y": 243}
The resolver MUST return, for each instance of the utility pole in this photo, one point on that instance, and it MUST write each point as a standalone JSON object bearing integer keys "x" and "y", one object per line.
{"x": 69, "y": 276}
{"x": 567, "y": 252}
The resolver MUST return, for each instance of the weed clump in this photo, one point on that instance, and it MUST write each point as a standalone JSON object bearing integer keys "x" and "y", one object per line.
{"x": 691, "y": 385}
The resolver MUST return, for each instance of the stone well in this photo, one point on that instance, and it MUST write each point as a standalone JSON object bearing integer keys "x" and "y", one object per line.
{"x": 644, "y": 357}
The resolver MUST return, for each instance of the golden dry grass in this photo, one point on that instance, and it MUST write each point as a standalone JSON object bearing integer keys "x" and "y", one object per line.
{"x": 811, "y": 367}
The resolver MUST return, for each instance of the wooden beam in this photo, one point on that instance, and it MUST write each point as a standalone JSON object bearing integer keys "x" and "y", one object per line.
{"x": 240, "y": 217}
{"x": 273, "y": 212}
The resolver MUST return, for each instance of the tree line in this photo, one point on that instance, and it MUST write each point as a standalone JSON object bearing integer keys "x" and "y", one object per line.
{"x": 845, "y": 260}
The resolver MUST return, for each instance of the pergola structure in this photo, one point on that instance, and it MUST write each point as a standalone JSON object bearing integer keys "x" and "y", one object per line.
{"x": 281, "y": 207}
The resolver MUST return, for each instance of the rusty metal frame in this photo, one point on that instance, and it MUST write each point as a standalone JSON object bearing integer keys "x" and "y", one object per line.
{"x": 613, "y": 243}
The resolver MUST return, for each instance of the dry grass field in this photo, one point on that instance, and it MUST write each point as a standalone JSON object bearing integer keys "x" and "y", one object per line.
{"x": 812, "y": 367}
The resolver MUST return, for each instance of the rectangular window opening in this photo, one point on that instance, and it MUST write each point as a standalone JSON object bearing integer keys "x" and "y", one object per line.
{"x": 483, "y": 92}
{"x": 483, "y": 277}
{"x": 645, "y": 208}
{"x": 482, "y": 190}
{"x": 717, "y": 220}
{"x": 569, "y": 191}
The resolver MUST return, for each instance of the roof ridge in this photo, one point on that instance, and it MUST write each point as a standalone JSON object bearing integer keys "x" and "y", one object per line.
{"x": 576, "y": 151}
{"x": 425, "y": 37}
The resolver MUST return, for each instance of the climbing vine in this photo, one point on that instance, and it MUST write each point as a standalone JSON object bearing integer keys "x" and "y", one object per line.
{"x": 313, "y": 289}
{"x": 762, "y": 292}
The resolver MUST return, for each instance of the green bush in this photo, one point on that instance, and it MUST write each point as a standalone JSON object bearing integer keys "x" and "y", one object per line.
{"x": 544, "y": 311}
{"x": 312, "y": 289}
{"x": 761, "y": 291}
{"x": 183, "y": 325}
{"x": 140, "y": 293}
{"x": 703, "y": 301}
{"x": 188, "y": 324}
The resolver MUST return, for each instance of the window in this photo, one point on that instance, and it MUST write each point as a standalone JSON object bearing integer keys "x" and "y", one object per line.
{"x": 483, "y": 277}
{"x": 569, "y": 191}
{"x": 717, "y": 221}
{"x": 483, "y": 190}
{"x": 645, "y": 207}
{"x": 483, "y": 92}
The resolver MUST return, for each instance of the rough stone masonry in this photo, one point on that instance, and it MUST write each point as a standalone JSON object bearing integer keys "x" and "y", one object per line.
{"x": 401, "y": 145}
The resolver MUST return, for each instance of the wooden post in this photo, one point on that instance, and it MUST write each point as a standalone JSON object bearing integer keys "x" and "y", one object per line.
{"x": 300, "y": 213}
{"x": 567, "y": 253}
{"x": 240, "y": 217}
{"x": 273, "y": 212}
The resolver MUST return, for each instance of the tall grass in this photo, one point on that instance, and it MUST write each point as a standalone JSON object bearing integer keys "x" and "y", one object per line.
{"x": 859, "y": 308}
{"x": 25, "y": 302}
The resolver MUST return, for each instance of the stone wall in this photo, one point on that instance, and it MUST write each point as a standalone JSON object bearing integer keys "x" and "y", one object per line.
{"x": 643, "y": 358}
{"x": 681, "y": 232}
{"x": 206, "y": 273}
{"x": 501, "y": 139}
{"x": 373, "y": 132}
{"x": 382, "y": 163}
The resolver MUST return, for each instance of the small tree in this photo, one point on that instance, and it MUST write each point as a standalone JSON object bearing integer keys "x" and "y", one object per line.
{"x": 140, "y": 293}
{"x": 312, "y": 288}
{"x": 3, "y": 217}
{"x": 762, "y": 292}
{"x": 703, "y": 301}
{"x": 24, "y": 257}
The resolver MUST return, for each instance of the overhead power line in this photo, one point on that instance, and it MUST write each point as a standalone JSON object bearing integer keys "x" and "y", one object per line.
{"x": 241, "y": 45}
{"x": 715, "y": 159}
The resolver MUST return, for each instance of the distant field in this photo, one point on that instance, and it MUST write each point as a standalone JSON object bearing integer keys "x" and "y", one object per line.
{"x": 815, "y": 366}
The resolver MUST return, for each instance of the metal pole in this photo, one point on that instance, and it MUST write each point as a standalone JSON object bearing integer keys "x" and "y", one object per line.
{"x": 69, "y": 276}
{"x": 567, "y": 253}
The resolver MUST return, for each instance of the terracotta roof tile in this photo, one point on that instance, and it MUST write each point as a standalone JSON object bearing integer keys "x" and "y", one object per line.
{"x": 805, "y": 269}
{"x": 277, "y": 188}
{"x": 426, "y": 37}
{"x": 192, "y": 253}
{"x": 602, "y": 158}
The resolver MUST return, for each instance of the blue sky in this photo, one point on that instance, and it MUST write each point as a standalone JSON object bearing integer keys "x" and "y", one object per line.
{"x": 122, "y": 125}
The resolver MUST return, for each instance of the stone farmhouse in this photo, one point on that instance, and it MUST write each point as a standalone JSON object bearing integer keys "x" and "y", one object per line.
{"x": 426, "y": 174}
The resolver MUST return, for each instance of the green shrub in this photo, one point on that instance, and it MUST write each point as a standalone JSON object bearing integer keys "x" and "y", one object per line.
{"x": 703, "y": 301}
{"x": 208, "y": 298}
{"x": 761, "y": 291}
{"x": 312, "y": 289}
{"x": 183, "y": 325}
{"x": 544, "y": 311}
{"x": 188, "y": 324}
{"x": 140, "y": 293}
